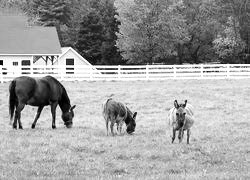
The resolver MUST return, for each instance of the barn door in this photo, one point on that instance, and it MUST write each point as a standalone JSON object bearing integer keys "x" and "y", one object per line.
{"x": 69, "y": 62}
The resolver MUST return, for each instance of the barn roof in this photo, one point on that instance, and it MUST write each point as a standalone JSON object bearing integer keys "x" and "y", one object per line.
{"x": 16, "y": 37}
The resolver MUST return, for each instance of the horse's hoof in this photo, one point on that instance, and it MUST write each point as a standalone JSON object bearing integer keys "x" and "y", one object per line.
{"x": 33, "y": 126}
{"x": 14, "y": 127}
{"x": 20, "y": 127}
{"x": 53, "y": 127}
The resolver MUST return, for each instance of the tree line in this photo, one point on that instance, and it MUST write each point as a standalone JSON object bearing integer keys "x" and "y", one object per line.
{"x": 146, "y": 31}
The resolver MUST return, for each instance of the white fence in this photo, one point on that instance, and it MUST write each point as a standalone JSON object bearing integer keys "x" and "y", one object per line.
{"x": 142, "y": 72}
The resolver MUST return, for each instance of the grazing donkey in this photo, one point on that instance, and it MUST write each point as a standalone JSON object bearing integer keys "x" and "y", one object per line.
{"x": 181, "y": 118}
{"x": 117, "y": 112}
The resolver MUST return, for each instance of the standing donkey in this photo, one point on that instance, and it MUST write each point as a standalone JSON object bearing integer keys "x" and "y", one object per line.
{"x": 117, "y": 112}
{"x": 181, "y": 119}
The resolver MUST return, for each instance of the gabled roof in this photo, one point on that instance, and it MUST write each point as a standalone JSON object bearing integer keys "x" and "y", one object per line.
{"x": 17, "y": 38}
{"x": 66, "y": 49}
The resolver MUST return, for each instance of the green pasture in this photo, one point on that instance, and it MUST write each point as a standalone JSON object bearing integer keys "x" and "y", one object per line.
{"x": 219, "y": 145}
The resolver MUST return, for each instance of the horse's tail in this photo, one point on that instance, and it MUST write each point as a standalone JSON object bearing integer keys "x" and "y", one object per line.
{"x": 12, "y": 99}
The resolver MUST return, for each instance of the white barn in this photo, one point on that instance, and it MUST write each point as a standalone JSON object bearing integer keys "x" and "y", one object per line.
{"x": 23, "y": 45}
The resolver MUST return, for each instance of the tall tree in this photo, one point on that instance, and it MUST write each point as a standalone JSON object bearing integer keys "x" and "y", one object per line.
{"x": 228, "y": 44}
{"x": 239, "y": 10}
{"x": 51, "y": 13}
{"x": 110, "y": 53}
{"x": 102, "y": 44}
{"x": 90, "y": 38}
{"x": 148, "y": 30}
{"x": 202, "y": 28}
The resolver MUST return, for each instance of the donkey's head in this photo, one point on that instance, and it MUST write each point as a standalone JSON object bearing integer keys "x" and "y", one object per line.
{"x": 68, "y": 116}
{"x": 180, "y": 112}
{"x": 130, "y": 122}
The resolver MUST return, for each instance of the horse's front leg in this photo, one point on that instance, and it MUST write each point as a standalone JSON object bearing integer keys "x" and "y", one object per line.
{"x": 53, "y": 112}
{"x": 39, "y": 110}
{"x": 188, "y": 135}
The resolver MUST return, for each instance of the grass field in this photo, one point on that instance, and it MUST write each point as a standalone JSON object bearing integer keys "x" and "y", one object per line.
{"x": 219, "y": 146}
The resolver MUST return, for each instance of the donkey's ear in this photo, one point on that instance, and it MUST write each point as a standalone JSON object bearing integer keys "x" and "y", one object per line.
{"x": 176, "y": 105}
{"x": 185, "y": 103}
{"x": 73, "y": 107}
{"x": 134, "y": 115}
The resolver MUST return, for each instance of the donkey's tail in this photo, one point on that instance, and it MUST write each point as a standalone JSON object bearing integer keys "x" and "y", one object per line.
{"x": 12, "y": 99}
{"x": 104, "y": 108}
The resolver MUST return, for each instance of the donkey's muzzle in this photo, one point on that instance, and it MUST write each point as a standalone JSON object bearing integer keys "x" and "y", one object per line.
{"x": 68, "y": 124}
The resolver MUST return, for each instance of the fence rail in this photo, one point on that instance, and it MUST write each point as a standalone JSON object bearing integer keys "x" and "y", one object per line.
{"x": 127, "y": 73}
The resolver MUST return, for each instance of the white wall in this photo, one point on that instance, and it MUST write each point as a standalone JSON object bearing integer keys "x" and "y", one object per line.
{"x": 71, "y": 55}
{"x": 8, "y": 60}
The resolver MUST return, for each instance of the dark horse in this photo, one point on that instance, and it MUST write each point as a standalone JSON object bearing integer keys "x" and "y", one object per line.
{"x": 39, "y": 92}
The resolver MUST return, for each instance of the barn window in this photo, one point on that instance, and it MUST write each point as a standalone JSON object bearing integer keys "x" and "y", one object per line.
{"x": 4, "y": 69}
{"x": 70, "y": 62}
{"x": 25, "y": 63}
{"x": 15, "y": 63}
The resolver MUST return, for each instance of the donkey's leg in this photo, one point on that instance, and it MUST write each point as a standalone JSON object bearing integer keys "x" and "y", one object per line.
{"x": 17, "y": 117}
{"x": 39, "y": 110}
{"x": 107, "y": 126}
{"x": 180, "y": 136}
{"x": 188, "y": 135}
{"x": 120, "y": 127}
{"x": 112, "y": 127}
{"x": 53, "y": 112}
{"x": 173, "y": 137}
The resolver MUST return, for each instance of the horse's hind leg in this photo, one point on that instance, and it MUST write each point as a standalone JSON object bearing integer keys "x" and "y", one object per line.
{"x": 19, "y": 108}
{"x": 39, "y": 110}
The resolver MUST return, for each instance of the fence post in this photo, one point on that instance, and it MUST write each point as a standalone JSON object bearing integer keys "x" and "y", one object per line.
{"x": 119, "y": 72}
{"x": 147, "y": 72}
{"x": 201, "y": 70}
{"x": 228, "y": 70}
{"x": 61, "y": 69}
{"x": 91, "y": 73}
{"x": 174, "y": 71}
{"x": 31, "y": 68}
{"x": 1, "y": 74}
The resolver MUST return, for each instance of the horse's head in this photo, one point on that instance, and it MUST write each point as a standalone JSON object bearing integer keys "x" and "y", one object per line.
{"x": 180, "y": 112}
{"x": 130, "y": 123}
{"x": 67, "y": 117}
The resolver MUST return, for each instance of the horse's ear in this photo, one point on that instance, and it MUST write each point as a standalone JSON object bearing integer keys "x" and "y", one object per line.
{"x": 176, "y": 105}
{"x": 73, "y": 107}
{"x": 134, "y": 115}
{"x": 185, "y": 103}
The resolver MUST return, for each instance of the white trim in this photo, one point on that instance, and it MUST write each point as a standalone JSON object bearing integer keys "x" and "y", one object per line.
{"x": 74, "y": 51}
{"x": 30, "y": 54}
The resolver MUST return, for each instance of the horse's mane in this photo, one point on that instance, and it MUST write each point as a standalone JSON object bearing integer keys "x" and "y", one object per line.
{"x": 65, "y": 98}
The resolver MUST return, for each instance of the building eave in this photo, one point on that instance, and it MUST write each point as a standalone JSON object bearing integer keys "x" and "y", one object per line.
{"x": 30, "y": 54}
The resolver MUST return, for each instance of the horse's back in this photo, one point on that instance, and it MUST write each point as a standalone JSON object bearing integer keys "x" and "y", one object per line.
{"x": 24, "y": 86}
